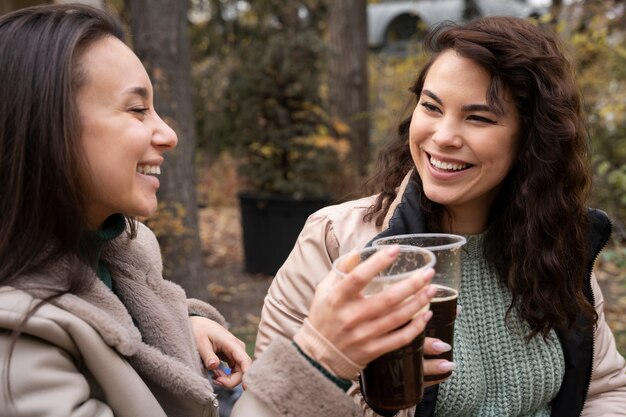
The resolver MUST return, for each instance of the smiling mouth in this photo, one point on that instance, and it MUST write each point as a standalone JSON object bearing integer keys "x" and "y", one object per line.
{"x": 447, "y": 166}
{"x": 149, "y": 169}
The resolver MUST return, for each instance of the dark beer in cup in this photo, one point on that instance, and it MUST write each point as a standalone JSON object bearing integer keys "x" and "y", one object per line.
{"x": 394, "y": 380}
{"x": 447, "y": 248}
{"x": 441, "y": 324}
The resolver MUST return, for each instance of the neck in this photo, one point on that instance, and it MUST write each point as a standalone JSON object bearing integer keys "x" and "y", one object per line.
{"x": 111, "y": 228}
{"x": 464, "y": 221}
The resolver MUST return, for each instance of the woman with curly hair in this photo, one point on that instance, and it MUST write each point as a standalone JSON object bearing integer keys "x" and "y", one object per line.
{"x": 496, "y": 150}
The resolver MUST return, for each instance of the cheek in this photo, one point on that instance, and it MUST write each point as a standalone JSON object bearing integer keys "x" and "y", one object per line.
{"x": 89, "y": 163}
{"x": 501, "y": 160}
{"x": 417, "y": 136}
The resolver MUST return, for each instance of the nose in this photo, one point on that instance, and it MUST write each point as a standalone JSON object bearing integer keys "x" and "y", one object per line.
{"x": 164, "y": 136}
{"x": 447, "y": 134}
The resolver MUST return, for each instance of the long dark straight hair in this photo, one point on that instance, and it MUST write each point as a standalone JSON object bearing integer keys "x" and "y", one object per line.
{"x": 537, "y": 227}
{"x": 42, "y": 204}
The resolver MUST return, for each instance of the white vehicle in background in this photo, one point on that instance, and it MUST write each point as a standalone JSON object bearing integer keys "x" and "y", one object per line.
{"x": 392, "y": 21}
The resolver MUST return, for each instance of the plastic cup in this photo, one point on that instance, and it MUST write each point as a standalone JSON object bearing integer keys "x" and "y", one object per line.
{"x": 393, "y": 381}
{"x": 447, "y": 279}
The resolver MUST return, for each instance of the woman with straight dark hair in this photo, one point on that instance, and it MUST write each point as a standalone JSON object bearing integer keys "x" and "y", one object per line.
{"x": 88, "y": 325}
{"x": 496, "y": 150}
{"x": 81, "y": 151}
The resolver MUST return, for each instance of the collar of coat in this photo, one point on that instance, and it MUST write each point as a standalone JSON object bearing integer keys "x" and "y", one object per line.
{"x": 160, "y": 346}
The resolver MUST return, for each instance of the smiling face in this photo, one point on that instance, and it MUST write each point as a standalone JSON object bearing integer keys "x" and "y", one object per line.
{"x": 123, "y": 138}
{"x": 461, "y": 148}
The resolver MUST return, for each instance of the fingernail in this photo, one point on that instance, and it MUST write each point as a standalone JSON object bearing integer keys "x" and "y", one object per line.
{"x": 392, "y": 250}
{"x": 447, "y": 366}
{"x": 427, "y": 315}
{"x": 211, "y": 363}
{"x": 427, "y": 275}
{"x": 431, "y": 291}
{"x": 442, "y": 346}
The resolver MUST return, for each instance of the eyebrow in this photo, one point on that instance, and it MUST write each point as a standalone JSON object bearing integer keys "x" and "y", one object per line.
{"x": 140, "y": 91}
{"x": 467, "y": 107}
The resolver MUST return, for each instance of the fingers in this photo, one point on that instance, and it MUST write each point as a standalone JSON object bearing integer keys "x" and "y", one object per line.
{"x": 365, "y": 325}
{"x": 237, "y": 357}
{"x": 229, "y": 381}
{"x": 437, "y": 367}
{"x": 214, "y": 343}
{"x": 394, "y": 329}
{"x": 352, "y": 259}
{"x": 398, "y": 338}
{"x": 227, "y": 378}
{"x": 365, "y": 271}
{"x": 209, "y": 358}
{"x": 433, "y": 346}
{"x": 400, "y": 294}
{"x": 397, "y": 304}
{"x": 238, "y": 361}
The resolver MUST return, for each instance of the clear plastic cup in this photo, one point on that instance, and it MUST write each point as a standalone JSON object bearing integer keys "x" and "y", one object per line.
{"x": 393, "y": 381}
{"x": 447, "y": 279}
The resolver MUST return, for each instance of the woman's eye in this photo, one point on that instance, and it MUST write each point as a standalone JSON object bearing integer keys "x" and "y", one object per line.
{"x": 482, "y": 119}
{"x": 140, "y": 110}
{"x": 430, "y": 107}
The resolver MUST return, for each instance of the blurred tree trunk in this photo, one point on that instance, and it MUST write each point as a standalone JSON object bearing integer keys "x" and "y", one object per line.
{"x": 471, "y": 10}
{"x": 556, "y": 8}
{"x": 160, "y": 34}
{"x": 347, "y": 73}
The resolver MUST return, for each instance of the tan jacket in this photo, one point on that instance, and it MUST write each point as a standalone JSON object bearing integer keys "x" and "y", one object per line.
{"x": 336, "y": 230}
{"x": 84, "y": 356}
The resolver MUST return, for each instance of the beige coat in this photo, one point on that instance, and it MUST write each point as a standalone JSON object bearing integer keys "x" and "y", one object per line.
{"x": 84, "y": 356}
{"x": 336, "y": 230}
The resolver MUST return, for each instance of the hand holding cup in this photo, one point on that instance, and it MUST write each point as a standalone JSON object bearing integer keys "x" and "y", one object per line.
{"x": 364, "y": 328}
{"x": 440, "y": 330}
{"x": 373, "y": 309}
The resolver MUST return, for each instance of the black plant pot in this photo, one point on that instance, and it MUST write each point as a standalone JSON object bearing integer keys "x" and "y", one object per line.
{"x": 271, "y": 226}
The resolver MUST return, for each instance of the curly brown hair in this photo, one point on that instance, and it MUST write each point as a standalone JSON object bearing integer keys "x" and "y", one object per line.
{"x": 537, "y": 227}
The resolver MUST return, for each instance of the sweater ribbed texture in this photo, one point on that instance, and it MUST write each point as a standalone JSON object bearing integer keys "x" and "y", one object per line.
{"x": 498, "y": 373}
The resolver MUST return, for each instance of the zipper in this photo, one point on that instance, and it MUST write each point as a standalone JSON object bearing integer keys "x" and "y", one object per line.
{"x": 593, "y": 304}
{"x": 212, "y": 409}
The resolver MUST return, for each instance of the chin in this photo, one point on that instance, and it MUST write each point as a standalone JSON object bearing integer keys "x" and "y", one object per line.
{"x": 144, "y": 212}
{"x": 149, "y": 213}
{"x": 438, "y": 196}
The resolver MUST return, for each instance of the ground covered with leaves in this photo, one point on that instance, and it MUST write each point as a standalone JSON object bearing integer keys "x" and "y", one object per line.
{"x": 239, "y": 295}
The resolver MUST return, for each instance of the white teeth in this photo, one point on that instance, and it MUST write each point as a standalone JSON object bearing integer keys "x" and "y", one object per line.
{"x": 447, "y": 165}
{"x": 149, "y": 169}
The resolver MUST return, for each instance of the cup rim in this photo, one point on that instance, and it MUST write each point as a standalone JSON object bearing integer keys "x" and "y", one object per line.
{"x": 458, "y": 240}
{"x": 430, "y": 264}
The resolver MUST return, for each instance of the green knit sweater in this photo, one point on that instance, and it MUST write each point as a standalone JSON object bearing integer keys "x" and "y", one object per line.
{"x": 498, "y": 373}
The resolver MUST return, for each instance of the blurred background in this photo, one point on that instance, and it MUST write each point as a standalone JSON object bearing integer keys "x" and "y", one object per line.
{"x": 282, "y": 105}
